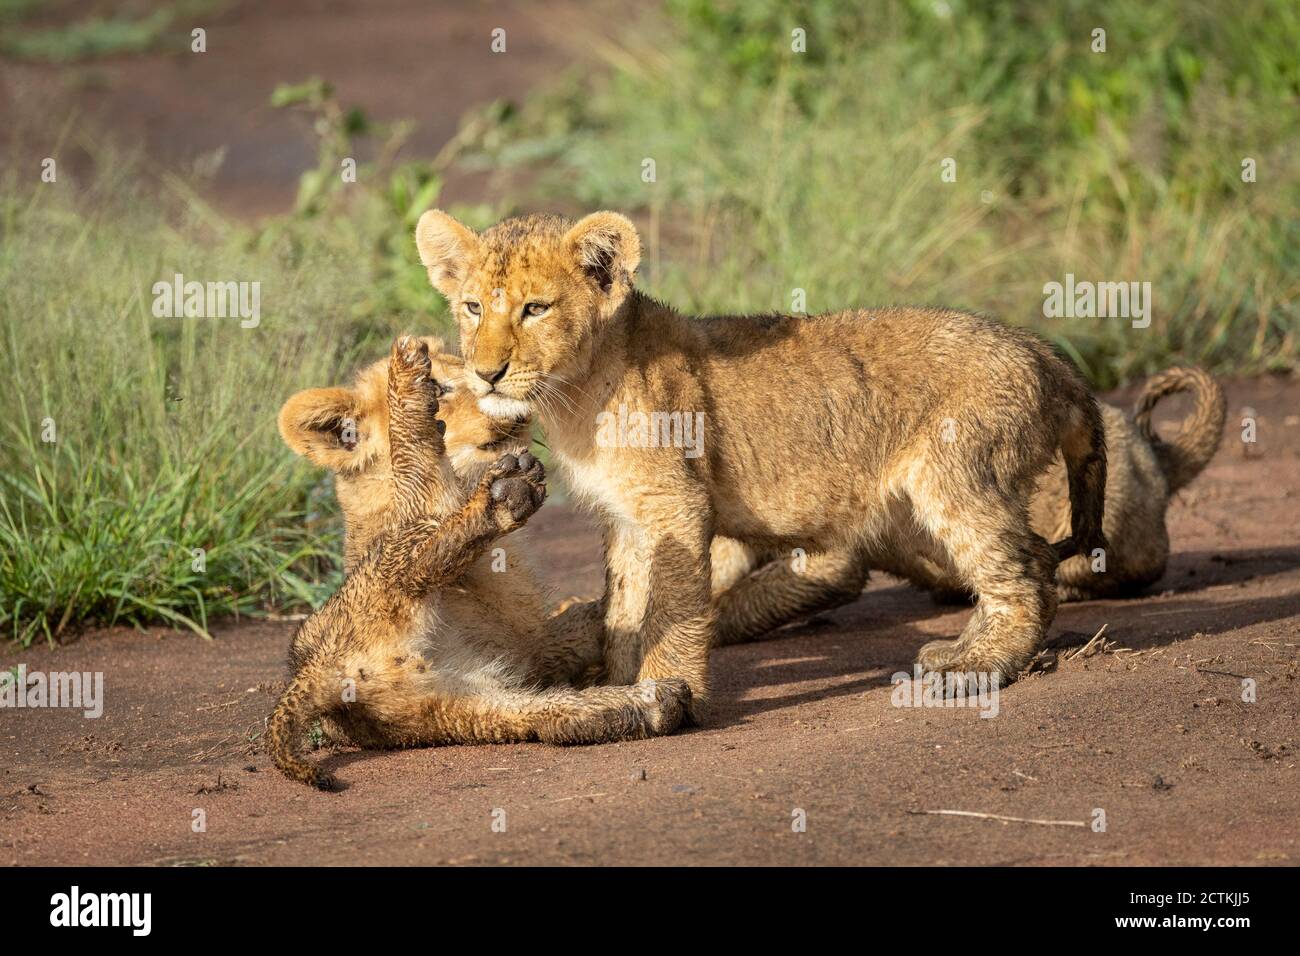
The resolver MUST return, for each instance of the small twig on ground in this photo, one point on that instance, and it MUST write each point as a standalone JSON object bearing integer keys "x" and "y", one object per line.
{"x": 229, "y": 703}
{"x": 204, "y": 754}
{"x": 1098, "y": 643}
{"x": 1206, "y": 670}
{"x": 998, "y": 816}
{"x": 578, "y": 796}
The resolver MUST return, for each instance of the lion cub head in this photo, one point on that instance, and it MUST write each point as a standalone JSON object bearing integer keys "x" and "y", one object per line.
{"x": 527, "y": 294}
{"x": 346, "y": 431}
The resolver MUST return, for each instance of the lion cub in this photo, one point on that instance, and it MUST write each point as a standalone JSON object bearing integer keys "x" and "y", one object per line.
{"x": 922, "y": 430}
{"x": 1143, "y": 472}
{"x": 423, "y": 644}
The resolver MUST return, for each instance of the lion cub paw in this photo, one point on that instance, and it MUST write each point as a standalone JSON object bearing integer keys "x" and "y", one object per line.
{"x": 409, "y": 365}
{"x": 960, "y": 658}
{"x": 516, "y": 487}
{"x": 938, "y": 656}
{"x": 666, "y": 701}
{"x": 412, "y": 391}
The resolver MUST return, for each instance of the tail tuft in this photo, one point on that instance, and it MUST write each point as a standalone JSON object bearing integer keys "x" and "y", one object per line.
{"x": 1184, "y": 458}
{"x": 294, "y": 711}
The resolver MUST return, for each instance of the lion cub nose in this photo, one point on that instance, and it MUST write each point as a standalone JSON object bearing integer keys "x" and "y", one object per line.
{"x": 492, "y": 376}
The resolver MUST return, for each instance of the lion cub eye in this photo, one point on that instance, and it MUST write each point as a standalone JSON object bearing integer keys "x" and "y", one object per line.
{"x": 473, "y": 308}
{"x": 534, "y": 309}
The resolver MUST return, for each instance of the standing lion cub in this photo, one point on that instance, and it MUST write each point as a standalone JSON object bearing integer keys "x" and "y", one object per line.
{"x": 842, "y": 434}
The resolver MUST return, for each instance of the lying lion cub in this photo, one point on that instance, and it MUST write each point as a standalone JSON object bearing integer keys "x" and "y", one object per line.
{"x": 848, "y": 435}
{"x": 424, "y": 644}
{"x": 1143, "y": 472}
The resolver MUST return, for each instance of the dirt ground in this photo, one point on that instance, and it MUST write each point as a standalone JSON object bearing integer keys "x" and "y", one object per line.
{"x": 1157, "y": 737}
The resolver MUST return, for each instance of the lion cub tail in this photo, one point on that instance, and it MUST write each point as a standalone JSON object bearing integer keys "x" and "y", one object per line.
{"x": 290, "y": 720}
{"x": 1183, "y": 458}
{"x": 1083, "y": 446}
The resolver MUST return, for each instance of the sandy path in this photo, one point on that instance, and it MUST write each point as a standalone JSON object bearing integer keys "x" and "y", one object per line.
{"x": 1184, "y": 770}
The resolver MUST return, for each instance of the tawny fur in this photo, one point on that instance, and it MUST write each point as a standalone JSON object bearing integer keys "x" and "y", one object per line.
{"x": 1143, "y": 472}
{"x": 424, "y": 644}
{"x": 915, "y": 429}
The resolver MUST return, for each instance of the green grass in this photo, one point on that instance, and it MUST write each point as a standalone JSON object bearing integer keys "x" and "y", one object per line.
{"x": 821, "y": 171}
{"x": 93, "y": 37}
{"x": 167, "y": 495}
{"x": 164, "y": 428}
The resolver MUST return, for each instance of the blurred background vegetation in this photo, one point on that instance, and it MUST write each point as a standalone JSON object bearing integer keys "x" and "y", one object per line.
{"x": 821, "y": 170}
{"x": 774, "y": 170}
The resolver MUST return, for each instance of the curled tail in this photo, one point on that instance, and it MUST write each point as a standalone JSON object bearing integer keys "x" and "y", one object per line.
{"x": 1183, "y": 458}
{"x": 1083, "y": 446}
{"x": 290, "y": 720}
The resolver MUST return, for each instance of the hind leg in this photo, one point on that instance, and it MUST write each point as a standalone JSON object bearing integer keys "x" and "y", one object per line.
{"x": 592, "y": 715}
{"x": 776, "y": 594}
{"x": 573, "y": 652}
{"x": 1011, "y": 570}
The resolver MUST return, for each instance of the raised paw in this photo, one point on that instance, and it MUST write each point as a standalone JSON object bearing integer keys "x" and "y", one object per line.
{"x": 516, "y": 488}
{"x": 412, "y": 390}
{"x": 667, "y": 700}
{"x": 409, "y": 365}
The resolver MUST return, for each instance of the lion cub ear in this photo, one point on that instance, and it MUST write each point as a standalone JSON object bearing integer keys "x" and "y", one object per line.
{"x": 607, "y": 248}
{"x": 318, "y": 424}
{"x": 445, "y": 247}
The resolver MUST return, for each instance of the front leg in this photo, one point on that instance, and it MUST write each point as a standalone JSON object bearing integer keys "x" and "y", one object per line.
{"x": 627, "y": 592}
{"x": 423, "y": 481}
{"x": 659, "y": 610}
{"x": 420, "y": 554}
